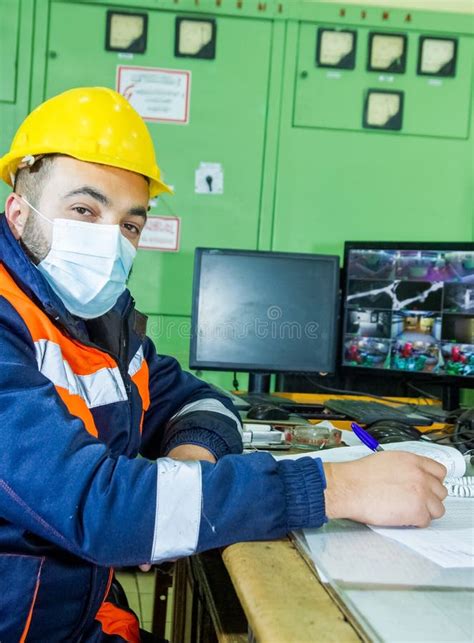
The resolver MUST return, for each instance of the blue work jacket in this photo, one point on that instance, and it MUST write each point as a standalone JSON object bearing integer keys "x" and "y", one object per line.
{"x": 79, "y": 401}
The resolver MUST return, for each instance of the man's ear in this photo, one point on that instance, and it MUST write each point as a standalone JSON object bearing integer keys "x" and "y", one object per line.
{"x": 17, "y": 213}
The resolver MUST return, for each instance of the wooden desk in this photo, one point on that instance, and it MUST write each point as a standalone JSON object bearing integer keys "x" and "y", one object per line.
{"x": 282, "y": 601}
{"x": 282, "y": 598}
{"x": 266, "y": 592}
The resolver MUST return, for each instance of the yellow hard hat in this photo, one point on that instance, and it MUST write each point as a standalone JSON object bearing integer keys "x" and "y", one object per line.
{"x": 92, "y": 124}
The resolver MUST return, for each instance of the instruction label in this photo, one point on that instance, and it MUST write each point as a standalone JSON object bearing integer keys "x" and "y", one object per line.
{"x": 161, "y": 233}
{"x": 157, "y": 94}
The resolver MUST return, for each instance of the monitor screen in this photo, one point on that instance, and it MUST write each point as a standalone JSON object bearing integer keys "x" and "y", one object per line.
{"x": 409, "y": 308}
{"x": 264, "y": 311}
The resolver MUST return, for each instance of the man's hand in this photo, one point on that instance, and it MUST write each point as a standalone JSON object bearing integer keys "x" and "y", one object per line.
{"x": 191, "y": 452}
{"x": 386, "y": 489}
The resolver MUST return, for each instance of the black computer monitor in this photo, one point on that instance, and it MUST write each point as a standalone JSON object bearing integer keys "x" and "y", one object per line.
{"x": 264, "y": 312}
{"x": 408, "y": 309}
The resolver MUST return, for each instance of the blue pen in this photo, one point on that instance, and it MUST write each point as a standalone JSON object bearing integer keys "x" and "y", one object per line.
{"x": 366, "y": 438}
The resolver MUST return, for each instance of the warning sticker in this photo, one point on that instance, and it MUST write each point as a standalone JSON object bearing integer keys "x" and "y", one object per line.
{"x": 161, "y": 233}
{"x": 157, "y": 94}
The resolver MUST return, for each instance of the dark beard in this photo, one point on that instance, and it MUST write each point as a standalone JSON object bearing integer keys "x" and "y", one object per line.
{"x": 33, "y": 241}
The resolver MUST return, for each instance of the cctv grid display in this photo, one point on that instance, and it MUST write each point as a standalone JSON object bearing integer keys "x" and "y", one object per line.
{"x": 410, "y": 310}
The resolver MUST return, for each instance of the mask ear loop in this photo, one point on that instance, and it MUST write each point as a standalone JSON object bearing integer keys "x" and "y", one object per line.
{"x": 33, "y": 208}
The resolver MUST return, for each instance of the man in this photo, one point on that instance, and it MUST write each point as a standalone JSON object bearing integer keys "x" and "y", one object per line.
{"x": 83, "y": 392}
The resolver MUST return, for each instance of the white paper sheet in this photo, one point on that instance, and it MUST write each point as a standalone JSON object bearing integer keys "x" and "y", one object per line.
{"x": 448, "y": 541}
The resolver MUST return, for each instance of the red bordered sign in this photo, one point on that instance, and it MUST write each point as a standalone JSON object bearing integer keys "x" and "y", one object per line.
{"x": 161, "y": 233}
{"x": 160, "y": 95}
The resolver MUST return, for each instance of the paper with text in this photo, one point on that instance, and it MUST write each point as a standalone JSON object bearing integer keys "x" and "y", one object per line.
{"x": 448, "y": 541}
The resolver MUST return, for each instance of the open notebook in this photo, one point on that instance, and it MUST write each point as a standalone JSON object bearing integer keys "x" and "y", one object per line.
{"x": 448, "y": 541}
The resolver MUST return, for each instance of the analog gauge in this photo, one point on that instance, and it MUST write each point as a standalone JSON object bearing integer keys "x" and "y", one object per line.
{"x": 195, "y": 38}
{"x": 383, "y": 110}
{"x": 126, "y": 32}
{"x": 387, "y": 52}
{"x": 336, "y": 48}
{"x": 437, "y": 56}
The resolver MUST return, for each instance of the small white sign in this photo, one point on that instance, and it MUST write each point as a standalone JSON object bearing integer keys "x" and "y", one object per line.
{"x": 157, "y": 94}
{"x": 209, "y": 179}
{"x": 386, "y": 79}
{"x": 161, "y": 233}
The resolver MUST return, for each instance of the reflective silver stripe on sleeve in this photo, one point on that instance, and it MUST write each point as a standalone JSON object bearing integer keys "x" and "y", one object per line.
{"x": 105, "y": 386}
{"x": 136, "y": 362}
{"x": 208, "y": 404}
{"x": 178, "y": 509}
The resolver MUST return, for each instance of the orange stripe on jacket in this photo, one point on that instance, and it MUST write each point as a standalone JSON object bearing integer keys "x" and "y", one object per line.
{"x": 114, "y": 620}
{"x": 77, "y": 407}
{"x": 84, "y": 360}
{"x": 141, "y": 381}
{"x": 30, "y": 613}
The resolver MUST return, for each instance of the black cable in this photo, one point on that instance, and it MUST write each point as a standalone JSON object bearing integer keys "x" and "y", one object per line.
{"x": 349, "y": 392}
{"x": 463, "y": 436}
{"x": 235, "y": 382}
{"x": 462, "y": 440}
{"x": 424, "y": 393}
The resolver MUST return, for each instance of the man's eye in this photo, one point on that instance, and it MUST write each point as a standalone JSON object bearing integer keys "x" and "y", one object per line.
{"x": 82, "y": 211}
{"x": 133, "y": 229}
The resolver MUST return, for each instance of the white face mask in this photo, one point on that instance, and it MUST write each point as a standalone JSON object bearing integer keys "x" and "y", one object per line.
{"x": 88, "y": 264}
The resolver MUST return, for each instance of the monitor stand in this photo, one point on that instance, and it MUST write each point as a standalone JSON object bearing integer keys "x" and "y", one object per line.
{"x": 259, "y": 390}
{"x": 259, "y": 383}
{"x": 259, "y": 393}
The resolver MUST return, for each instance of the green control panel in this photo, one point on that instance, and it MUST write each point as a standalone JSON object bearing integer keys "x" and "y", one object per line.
{"x": 284, "y": 124}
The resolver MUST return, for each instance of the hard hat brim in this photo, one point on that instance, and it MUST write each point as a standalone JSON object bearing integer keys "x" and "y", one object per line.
{"x": 10, "y": 162}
